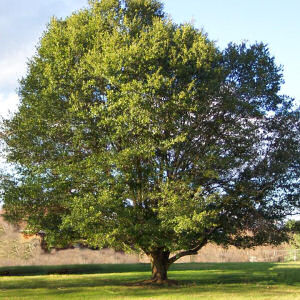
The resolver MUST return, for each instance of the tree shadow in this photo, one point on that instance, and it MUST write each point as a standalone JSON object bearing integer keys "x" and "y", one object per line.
{"x": 192, "y": 278}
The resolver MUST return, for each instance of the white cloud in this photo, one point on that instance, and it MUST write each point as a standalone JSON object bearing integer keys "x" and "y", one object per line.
{"x": 8, "y": 104}
{"x": 21, "y": 24}
{"x": 12, "y": 68}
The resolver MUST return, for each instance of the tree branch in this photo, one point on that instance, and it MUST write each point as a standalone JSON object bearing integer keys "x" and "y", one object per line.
{"x": 192, "y": 251}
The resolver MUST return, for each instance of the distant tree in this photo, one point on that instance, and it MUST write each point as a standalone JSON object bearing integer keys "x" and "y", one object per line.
{"x": 293, "y": 226}
{"x": 137, "y": 133}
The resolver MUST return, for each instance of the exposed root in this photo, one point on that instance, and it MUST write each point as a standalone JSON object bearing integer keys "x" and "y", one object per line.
{"x": 155, "y": 282}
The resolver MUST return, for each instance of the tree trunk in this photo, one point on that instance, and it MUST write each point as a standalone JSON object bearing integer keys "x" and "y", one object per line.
{"x": 159, "y": 264}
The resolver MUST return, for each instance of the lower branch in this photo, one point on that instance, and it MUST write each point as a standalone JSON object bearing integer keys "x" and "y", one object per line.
{"x": 192, "y": 251}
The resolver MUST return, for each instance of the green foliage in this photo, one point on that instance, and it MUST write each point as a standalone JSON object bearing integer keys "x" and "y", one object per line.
{"x": 138, "y": 133}
{"x": 293, "y": 226}
{"x": 296, "y": 240}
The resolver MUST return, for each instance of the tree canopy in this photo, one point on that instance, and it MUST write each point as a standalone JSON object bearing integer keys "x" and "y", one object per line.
{"x": 137, "y": 133}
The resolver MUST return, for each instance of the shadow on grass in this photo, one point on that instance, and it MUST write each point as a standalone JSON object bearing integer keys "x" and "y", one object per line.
{"x": 73, "y": 269}
{"x": 111, "y": 289}
{"x": 126, "y": 268}
{"x": 187, "y": 275}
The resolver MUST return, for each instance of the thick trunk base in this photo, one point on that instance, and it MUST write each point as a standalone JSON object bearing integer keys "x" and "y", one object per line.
{"x": 159, "y": 273}
{"x": 159, "y": 264}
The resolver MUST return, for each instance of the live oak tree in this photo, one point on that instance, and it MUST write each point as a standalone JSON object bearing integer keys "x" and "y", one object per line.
{"x": 140, "y": 134}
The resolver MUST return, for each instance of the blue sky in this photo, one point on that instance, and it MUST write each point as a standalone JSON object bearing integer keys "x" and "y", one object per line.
{"x": 274, "y": 22}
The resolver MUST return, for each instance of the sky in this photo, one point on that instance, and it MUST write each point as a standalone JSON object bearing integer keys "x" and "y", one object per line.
{"x": 274, "y": 22}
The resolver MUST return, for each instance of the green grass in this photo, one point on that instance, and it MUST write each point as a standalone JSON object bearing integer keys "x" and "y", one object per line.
{"x": 197, "y": 281}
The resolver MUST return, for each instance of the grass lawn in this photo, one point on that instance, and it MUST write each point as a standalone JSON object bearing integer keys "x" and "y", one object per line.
{"x": 196, "y": 281}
